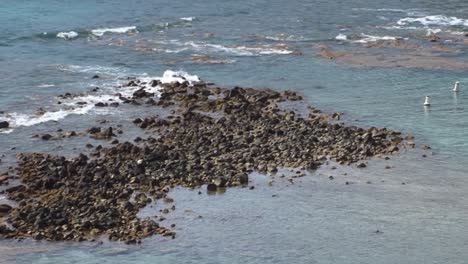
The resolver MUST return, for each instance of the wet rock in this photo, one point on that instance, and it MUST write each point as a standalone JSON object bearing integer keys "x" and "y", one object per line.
{"x": 98, "y": 133}
{"x": 244, "y": 179}
{"x": 4, "y": 124}
{"x": 211, "y": 187}
{"x": 4, "y": 209}
{"x": 4, "y": 179}
{"x": 101, "y": 104}
{"x": 220, "y": 182}
{"x": 168, "y": 200}
{"x": 361, "y": 165}
{"x": 46, "y": 136}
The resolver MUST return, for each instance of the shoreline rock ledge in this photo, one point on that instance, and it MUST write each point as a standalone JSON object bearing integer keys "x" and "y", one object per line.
{"x": 214, "y": 136}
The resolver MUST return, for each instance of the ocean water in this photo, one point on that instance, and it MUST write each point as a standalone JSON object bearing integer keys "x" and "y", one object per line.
{"x": 48, "y": 48}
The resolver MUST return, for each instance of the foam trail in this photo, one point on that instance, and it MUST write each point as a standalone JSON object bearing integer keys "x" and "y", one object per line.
{"x": 18, "y": 119}
{"x": 45, "y": 85}
{"x": 120, "y": 30}
{"x": 437, "y": 20}
{"x": 239, "y": 51}
{"x": 94, "y": 69}
{"x": 370, "y": 38}
{"x": 187, "y": 18}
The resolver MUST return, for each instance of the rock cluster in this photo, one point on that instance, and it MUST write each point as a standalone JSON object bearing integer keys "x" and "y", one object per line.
{"x": 216, "y": 137}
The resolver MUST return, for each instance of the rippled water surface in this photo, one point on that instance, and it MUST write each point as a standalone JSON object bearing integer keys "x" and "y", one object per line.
{"x": 48, "y": 48}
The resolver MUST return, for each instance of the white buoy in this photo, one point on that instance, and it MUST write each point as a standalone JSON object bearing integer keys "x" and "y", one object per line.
{"x": 426, "y": 102}
{"x": 456, "y": 88}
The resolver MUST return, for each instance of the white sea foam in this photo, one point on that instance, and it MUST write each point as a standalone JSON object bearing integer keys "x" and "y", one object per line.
{"x": 381, "y": 9}
{"x": 170, "y": 76}
{"x": 19, "y": 119}
{"x": 288, "y": 38}
{"x": 44, "y": 85}
{"x": 436, "y": 20}
{"x": 67, "y": 35}
{"x": 74, "y": 107}
{"x": 341, "y": 37}
{"x": 412, "y": 12}
{"x": 458, "y": 32}
{"x": 95, "y": 69}
{"x": 119, "y": 30}
{"x": 208, "y": 48}
{"x": 238, "y": 50}
{"x": 399, "y": 27}
{"x": 187, "y": 18}
{"x": 431, "y": 31}
{"x": 369, "y": 38}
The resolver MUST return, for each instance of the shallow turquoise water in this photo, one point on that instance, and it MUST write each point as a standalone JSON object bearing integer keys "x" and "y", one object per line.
{"x": 260, "y": 44}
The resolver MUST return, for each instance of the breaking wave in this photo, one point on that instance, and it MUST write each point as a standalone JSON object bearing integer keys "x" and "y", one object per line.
{"x": 67, "y": 35}
{"x": 118, "y": 30}
{"x": 437, "y": 20}
{"x": 84, "y": 104}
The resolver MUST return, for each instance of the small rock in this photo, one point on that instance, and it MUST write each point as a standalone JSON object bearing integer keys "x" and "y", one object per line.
{"x": 46, "y": 137}
{"x": 4, "y": 124}
{"x": 211, "y": 187}
{"x": 361, "y": 165}
{"x": 100, "y": 104}
{"x": 4, "y": 209}
{"x": 168, "y": 200}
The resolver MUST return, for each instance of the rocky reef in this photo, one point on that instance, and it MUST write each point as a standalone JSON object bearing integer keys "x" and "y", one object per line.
{"x": 214, "y": 136}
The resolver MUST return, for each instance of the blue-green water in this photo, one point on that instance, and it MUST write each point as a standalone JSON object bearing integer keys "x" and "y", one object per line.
{"x": 258, "y": 44}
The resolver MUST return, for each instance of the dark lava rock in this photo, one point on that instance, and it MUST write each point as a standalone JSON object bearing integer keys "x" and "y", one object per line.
{"x": 101, "y": 104}
{"x": 361, "y": 165}
{"x": 46, "y": 136}
{"x": 4, "y": 209}
{"x": 220, "y": 182}
{"x": 3, "y": 179}
{"x": 211, "y": 187}
{"x": 244, "y": 179}
{"x": 4, "y": 124}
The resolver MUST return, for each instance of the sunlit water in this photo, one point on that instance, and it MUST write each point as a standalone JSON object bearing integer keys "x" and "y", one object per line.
{"x": 256, "y": 44}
